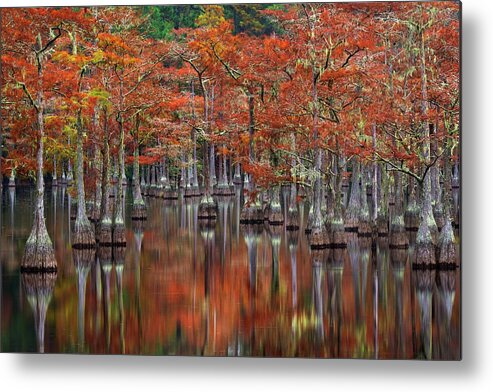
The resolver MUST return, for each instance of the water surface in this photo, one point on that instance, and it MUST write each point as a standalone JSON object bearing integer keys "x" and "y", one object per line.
{"x": 182, "y": 288}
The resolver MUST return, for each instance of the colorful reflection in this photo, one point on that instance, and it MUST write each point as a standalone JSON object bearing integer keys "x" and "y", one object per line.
{"x": 182, "y": 287}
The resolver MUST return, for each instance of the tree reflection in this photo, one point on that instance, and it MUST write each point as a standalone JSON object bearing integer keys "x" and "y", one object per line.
{"x": 252, "y": 236}
{"x": 193, "y": 289}
{"x": 104, "y": 255}
{"x": 398, "y": 259}
{"x": 138, "y": 229}
{"x": 446, "y": 289}
{"x": 275, "y": 242}
{"x": 293, "y": 248}
{"x": 318, "y": 258}
{"x": 424, "y": 281}
{"x": 38, "y": 288}
{"x": 334, "y": 282}
{"x": 119, "y": 259}
{"x": 83, "y": 260}
{"x": 207, "y": 232}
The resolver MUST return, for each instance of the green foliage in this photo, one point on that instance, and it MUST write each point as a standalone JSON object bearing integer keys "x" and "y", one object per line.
{"x": 163, "y": 19}
{"x": 246, "y": 18}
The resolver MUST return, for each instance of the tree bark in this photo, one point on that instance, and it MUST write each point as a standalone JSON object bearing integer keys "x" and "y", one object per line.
{"x": 448, "y": 252}
{"x": 319, "y": 237}
{"x": 139, "y": 211}
{"x": 38, "y": 253}
{"x": 83, "y": 235}
{"x": 398, "y": 235}
{"x": 427, "y": 231}
{"x": 119, "y": 235}
{"x": 105, "y": 225}
{"x": 354, "y": 205}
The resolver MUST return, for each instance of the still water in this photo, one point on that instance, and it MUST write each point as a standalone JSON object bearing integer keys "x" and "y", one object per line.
{"x": 179, "y": 288}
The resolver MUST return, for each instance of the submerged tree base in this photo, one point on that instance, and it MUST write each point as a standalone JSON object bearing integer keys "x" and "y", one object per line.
{"x": 170, "y": 194}
{"x": 447, "y": 247}
{"x": 275, "y": 216}
{"x": 351, "y": 225}
{"x": 252, "y": 214}
{"x": 207, "y": 209}
{"x": 105, "y": 233}
{"x": 425, "y": 255}
{"x": 83, "y": 236}
{"x": 448, "y": 254}
{"x": 364, "y": 229}
{"x": 193, "y": 191}
{"x": 293, "y": 221}
{"x": 39, "y": 256}
{"x": 153, "y": 191}
{"x": 411, "y": 219}
{"x": 223, "y": 190}
{"x": 139, "y": 212}
{"x": 119, "y": 234}
{"x": 338, "y": 234}
{"x": 398, "y": 240}
{"x": 382, "y": 227}
{"x": 319, "y": 238}
{"x": 119, "y": 255}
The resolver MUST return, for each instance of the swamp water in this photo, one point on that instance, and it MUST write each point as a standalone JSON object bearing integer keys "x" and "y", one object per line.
{"x": 182, "y": 288}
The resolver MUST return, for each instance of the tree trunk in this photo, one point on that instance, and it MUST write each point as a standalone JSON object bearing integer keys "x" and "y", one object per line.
{"x": 1, "y": 144}
{"x": 104, "y": 235}
{"x": 54, "y": 180}
{"x": 119, "y": 234}
{"x": 382, "y": 214}
{"x": 12, "y": 178}
{"x": 374, "y": 192}
{"x": 448, "y": 252}
{"x": 195, "y": 181}
{"x": 398, "y": 235}
{"x": 364, "y": 226}
{"x": 436, "y": 188}
{"x": 83, "y": 235}
{"x": 411, "y": 216}
{"x": 337, "y": 228}
{"x": 319, "y": 237}
{"x": 70, "y": 176}
{"x": 293, "y": 213}
{"x": 98, "y": 196}
{"x": 237, "y": 177}
{"x": 427, "y": 231}
{"x": 139, "y": 211}
{"x": 354, "y": 205}
{"x": 252, "y": 211}
{"x": 38, "y": 253}
{"x": 275, "y": 213}
{"x": 207, "y": 207}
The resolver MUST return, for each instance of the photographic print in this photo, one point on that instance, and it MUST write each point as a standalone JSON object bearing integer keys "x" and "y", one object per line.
{"x": 260, "y": 180}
